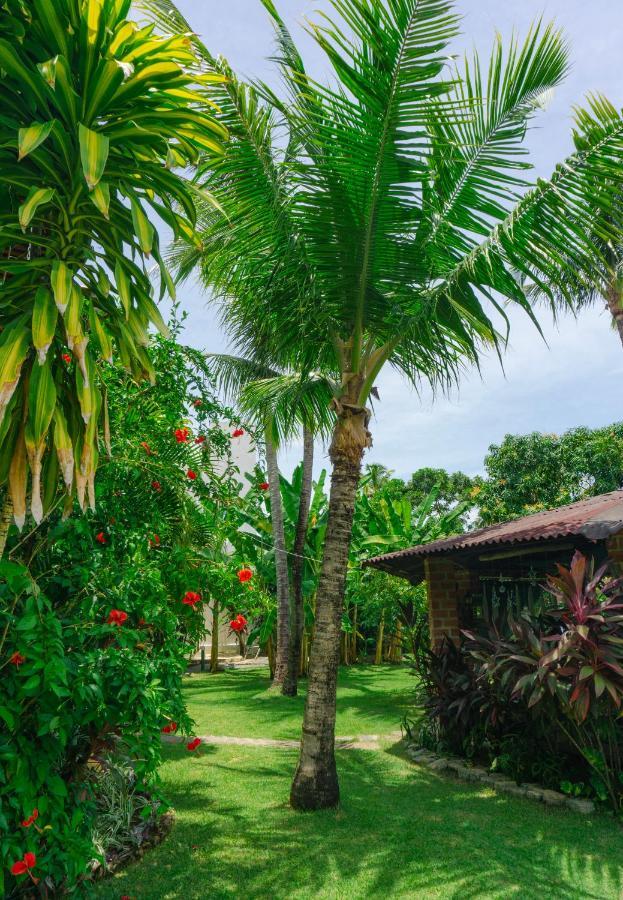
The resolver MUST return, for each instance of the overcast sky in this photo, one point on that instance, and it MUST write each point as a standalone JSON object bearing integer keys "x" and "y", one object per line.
{"x": 574, "y": 379}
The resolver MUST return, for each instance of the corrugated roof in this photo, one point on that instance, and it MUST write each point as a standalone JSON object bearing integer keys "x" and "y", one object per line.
{"x": 596, "y": 518}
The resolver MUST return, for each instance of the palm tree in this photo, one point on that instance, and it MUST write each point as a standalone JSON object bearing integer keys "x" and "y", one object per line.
{"x": 394, "y": 216}
{"x": 279, "y": 405}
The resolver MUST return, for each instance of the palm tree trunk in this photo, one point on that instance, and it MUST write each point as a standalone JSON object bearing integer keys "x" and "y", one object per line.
{"x": 214, "y": 638}
{"x": 378, "y": 656}
{"x": 281, "y": 565}
{"x": 6, "y": 517}
{"x": 315, "y": 784}
{"x": 614, "y": 299}
{"x": 290, "y": 684}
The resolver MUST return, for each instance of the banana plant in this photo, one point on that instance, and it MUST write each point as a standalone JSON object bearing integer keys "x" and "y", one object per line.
{"x": 100, "y": 115}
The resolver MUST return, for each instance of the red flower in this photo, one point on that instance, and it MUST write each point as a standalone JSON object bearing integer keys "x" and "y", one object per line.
{"x": 156, "y": 486}
{"x": 100, "y": 538}
{"x": 191, "y": 598}
{"x": 200, "y": 439}
{"x": 28, "y": 862}
{"x": 31, "y": 818}
{"x": 117, "y": 617}
{"x": 192, "y": 475}
{"x": 264, "y": 486}
{"x": 171, "y": 728}
{"x": 17, "y": 659}
{"x": 238, "y": 624}
{"x": 155, "y": 541}
{"x": 238, "y": 432}
{"x": 245, "y": 575}
{"x": 193, "y": 744}
{"x": 67, "y": 358}
{"x": 147, "y": 448}
{"x": 182, "y": 435}
{"x": 197, "y": 403}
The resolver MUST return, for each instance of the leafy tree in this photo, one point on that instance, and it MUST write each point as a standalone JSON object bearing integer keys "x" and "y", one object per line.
{"x": 451, "y": 488}
{"x": 99, "y": 118}
{"x": 527, "y": 473}
{"x": 380, "y": 227}
{"x": 100, "y": 612}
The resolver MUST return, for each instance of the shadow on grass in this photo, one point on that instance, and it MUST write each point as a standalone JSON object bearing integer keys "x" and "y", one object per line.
{"x": 401, "y": 833}
{"x": 370, "y": 699}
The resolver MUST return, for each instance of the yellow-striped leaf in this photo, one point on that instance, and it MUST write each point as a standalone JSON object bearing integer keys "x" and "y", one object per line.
{"x": 124, "y": 288}
{"x": 100, "y": 195}
{"x": 36, "y": 198}
{"x": 93, "y": 16}
{"x": 143, "y": 228}
{"x": 44, "y": 316}
{"x": 41, "y": 401}
{"x": 93, "y": 154}
{"x": 64, "y": 447}
{"x": 62, "y": 284}
{"x": 30, "y": 138}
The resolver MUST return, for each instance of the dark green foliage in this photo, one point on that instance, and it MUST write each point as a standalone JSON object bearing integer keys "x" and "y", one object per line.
{"x": 88, "y": 690}
{"x": 527, "y": 473}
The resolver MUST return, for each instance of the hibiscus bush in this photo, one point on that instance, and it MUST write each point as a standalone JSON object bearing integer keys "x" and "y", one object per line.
{"x": 99, "y": 614}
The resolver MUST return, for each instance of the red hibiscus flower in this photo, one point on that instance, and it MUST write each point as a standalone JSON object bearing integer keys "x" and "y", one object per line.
{"x": 28, "y": 862}
{"x": 191, "y": 598}
{"x": 238, "y": 432}
{"x": 31, "y": 818}
{"x": 171, "y": 728}
{"x": 264, "y": 486}
{"x": 192, "y": 475}
{"x": 67, "y": 358}
{"x": 193, "y": 744}
{"x": 200, "y": 439}
{"x": 197, "y": 403}
{"x": 117, "y": 617}
{"x": 155, "y": 541}
{"x": 182, "y": 435}
{"x": 245, "y": 575}
{"x": 100, "y": 538}
{"x": 238, "y": 624}
{"x": 147, "y": 448}
{"x": 16, "y": 659}
{"x": 156, "y": 486}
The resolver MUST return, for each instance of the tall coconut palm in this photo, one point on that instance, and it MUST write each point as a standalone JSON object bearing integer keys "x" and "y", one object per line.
{"x": 279, "y": 406}
{"x": 398, "y": 217}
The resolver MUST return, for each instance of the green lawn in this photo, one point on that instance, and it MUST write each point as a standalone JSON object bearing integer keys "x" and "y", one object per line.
{"x": 401, "y": 832}
{"x": 373, "y": 700}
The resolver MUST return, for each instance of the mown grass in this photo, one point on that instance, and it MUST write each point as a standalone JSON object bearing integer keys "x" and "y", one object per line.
{"x": 401, "y": 831}
{"x": 372, "y": 700}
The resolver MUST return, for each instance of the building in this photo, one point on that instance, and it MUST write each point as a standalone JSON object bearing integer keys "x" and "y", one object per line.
{"x": 480, "y": 574}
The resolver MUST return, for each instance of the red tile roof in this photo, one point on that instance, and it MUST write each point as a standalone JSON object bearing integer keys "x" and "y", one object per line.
{"x": 596, "y": 518}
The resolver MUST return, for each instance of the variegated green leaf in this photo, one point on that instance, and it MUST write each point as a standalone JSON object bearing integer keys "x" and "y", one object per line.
{"x": 124, "y": 288}
{"x": 94, "y": 148}
{"x": 62, "y": 284}
{"x": 100, "y": 195}
{"x": 143, "y": 228}
{"x": 32, "y": 137}
{"x": 36, "y": 198}
{"x": 44, "y": 317}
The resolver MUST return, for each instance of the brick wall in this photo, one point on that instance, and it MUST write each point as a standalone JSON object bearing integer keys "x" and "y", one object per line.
{"x": 446, "y": 585}
{"x": 615, "y": 549}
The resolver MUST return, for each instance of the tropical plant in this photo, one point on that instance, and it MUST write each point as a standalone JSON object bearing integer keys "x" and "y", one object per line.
{"x": 99, "y": 117}
{"x": 279, "y": 405}
{"x": 565, "y": 669}
{"x": 378, "y": 230}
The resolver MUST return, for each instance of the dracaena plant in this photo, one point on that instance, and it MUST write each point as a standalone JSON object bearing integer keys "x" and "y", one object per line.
{"x": 99, "y": 116}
